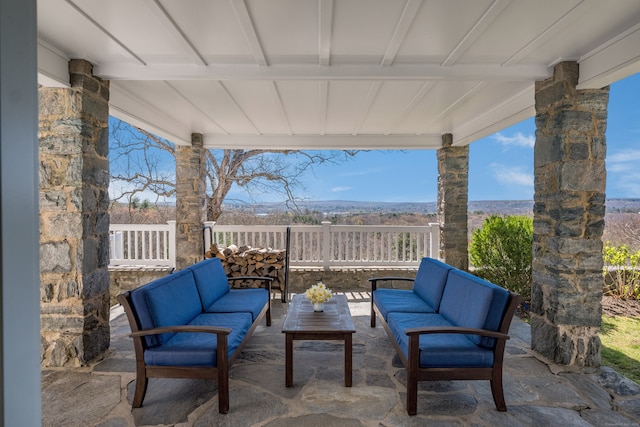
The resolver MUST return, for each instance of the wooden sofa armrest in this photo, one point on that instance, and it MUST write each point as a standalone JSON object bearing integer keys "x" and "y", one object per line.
{"x": 455, "y": 330}
{"x": 266, "y": 281}
{"x": 374, "y": 280}
{"x": 182, "y": 328}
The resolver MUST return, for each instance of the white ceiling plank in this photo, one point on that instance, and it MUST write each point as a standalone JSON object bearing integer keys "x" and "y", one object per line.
{"x": 323, "y": 99}
{"x": 197, "y": 108}
{"x": 612, "y": 61}
{"x": 374, "y": 88}
{"x": 513, "y": 110}
{"x": 573, "y": 15}
{"x": 324, "y": 142}
{"x": 476, "y": 31}
{"x": 128, "y": 107}
{"x": 459, "y": 101}
{"x": 172, "y": 27}
{"x": 249, "y": 30}
{"x": 325, "y": 16}
{"x": 480, "y": 71}
{"x": 95, "y": 23}
{"x": 277, "y": 100}
{"x": 402, "y": 28}
{"x": 424, "y": 90}
{"x": 233, "y": 101}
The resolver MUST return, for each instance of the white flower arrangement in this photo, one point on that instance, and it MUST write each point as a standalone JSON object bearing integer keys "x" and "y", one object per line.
{"x": 318, "y": 293}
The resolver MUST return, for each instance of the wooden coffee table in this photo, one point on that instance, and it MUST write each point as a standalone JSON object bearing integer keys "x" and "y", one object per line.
{"x": 334, "y": 323}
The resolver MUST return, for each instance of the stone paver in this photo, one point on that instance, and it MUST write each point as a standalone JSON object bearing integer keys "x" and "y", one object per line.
{"x": 537, "y": 394}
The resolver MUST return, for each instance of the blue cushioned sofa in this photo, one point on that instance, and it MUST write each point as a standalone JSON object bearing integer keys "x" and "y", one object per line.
{"x": 451, "y": 325}
{"x": 191, "y": 324}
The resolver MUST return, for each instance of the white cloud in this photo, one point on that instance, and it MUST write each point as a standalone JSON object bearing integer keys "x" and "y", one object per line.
{"x": 519, "y": 140}
{"x": 628, "y": 185}
{"x": 362, "y": 172}
{"x": 624, "y": 156}
{"x": 340, "y": 189}
{"x": 512, "y": 175}
{"x": 624, "y": 178}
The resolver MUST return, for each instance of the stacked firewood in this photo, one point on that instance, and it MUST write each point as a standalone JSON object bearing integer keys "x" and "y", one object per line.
{"x": 248, "y": 261}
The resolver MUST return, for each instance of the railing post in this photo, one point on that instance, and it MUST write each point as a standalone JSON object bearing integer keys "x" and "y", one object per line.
{"x": 172, "y": 243}
{"x": 207, "y": 235}
{"x": 434, "y": 240}
{"x": 326, "y": 244}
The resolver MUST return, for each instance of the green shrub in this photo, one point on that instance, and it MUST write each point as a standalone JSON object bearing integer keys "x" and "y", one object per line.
{"x": 501, "y": 252}
{"x": 621, "y": 272}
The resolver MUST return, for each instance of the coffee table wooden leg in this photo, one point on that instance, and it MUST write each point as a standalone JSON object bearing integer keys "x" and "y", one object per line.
{"x": 348, "y": 360}
{"x": 288, "y": 360}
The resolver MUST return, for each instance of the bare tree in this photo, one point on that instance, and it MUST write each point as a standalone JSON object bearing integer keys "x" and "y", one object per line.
{"x": 136, "y": 157}
{"x": 622, "y": 229}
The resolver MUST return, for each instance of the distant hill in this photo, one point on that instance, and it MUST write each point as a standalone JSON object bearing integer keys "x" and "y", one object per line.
{"x": 343, "y": 207}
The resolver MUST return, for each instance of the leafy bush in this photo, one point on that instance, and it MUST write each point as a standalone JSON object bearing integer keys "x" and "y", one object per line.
{"x": 621, "y": 271}
{"x": 501, "y": 251}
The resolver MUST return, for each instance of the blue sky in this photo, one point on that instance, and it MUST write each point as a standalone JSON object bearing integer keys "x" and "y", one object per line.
{"x": 500, "y": 165}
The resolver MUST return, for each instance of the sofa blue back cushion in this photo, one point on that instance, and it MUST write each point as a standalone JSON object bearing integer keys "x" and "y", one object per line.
{"x": 499, "y": 302}
{"x": 211, "y": 280}
{"x": 466, "y": 301}
{"x": 168, "y": 301}
{"x": 480, "y": 289}
{"x": 430, "y": 281}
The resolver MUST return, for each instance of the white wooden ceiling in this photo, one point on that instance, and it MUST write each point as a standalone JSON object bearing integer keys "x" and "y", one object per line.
{"x": 333, "y": 73}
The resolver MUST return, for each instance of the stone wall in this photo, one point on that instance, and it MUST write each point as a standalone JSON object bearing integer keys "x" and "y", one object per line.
{"x": 130, "y": 278}
{"x": 74, "y": 218}
{"x": 344, "y": 280}
{"x": 568, "y": 221}
{"x": 299, "y": 279}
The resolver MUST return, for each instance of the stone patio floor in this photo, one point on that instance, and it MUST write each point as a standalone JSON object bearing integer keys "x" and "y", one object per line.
{"x": 537, "y": 393}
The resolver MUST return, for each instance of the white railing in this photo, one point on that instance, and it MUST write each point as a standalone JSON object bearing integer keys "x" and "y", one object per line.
{"x": 321, "y": 246}
{"x": 330, "y": 245}
{"x": 143, "y": 244}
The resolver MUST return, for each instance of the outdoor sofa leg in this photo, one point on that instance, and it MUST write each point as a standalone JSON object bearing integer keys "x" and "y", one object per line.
{"x": 497, "y": 390}
{"x": 141, "y": 386}
{"x": 223, "y": 374}
{"x": 373, "y": 316}
{"x": 412, "y": 375}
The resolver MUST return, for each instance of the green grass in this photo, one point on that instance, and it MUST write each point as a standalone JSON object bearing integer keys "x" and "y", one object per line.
{"x": 620, "y": 338}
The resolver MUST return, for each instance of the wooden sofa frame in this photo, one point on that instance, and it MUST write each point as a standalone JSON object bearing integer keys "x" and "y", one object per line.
{"x": 219, "y": 373}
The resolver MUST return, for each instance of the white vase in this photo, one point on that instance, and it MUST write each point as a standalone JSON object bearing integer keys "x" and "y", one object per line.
{"x": 318, "y": 306}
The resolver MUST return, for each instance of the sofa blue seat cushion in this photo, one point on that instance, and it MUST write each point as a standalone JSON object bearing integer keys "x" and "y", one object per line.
{"x": 168, "y": 301}
{"x": 197, "y": 348}
{"x": 439, "y": 350}
{"x": 430, "y": 281}
{"x": 478, "y": 292}
{"x": 211, "y": 280}
{"x": 399, "y": 300}
{"x": 250, "y": 300}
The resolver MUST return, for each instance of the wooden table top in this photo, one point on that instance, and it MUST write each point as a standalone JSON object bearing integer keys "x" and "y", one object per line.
{"x": 336, "y": 316}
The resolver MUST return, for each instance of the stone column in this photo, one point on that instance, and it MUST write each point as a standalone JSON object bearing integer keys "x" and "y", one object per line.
{"x": 190, "y": 201}
{"x": 569, "y": 207}
{"x": 453, "y": 196}
{"x": 74, "y": 218}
